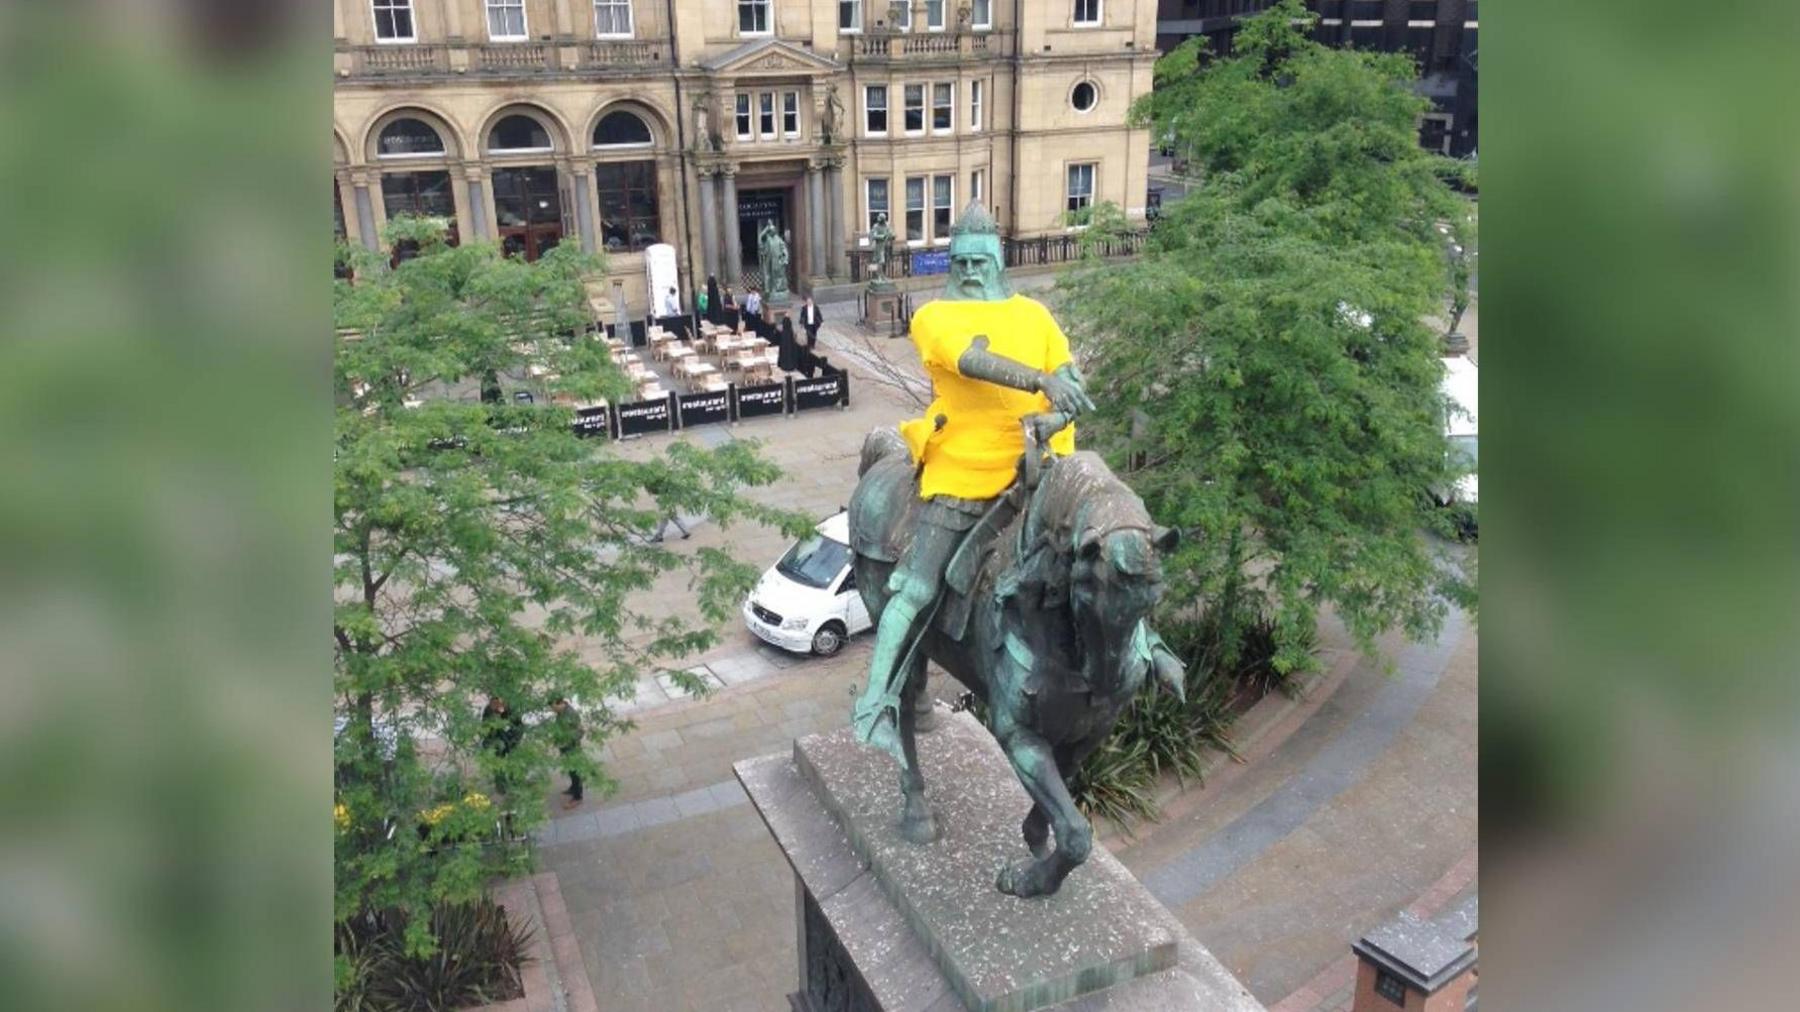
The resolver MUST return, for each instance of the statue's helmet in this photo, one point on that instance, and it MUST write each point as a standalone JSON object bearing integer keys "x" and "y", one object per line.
{"x": 976, "y": 256}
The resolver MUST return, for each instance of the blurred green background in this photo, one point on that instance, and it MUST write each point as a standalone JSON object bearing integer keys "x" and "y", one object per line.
{"x": 165, "y": 394}
{"x": 165, "y": 410}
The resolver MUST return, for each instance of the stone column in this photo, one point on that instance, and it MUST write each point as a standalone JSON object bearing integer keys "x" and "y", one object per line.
{"x": 734, "y": 248}
{"x": 478, "y": 204}
{"x": 709, "y": 222}
{"x": 365, "y": 211}
{"x": 815, "y": 221}
{"x": 346, "y": 194}
{"x": 584, "y": 216}
{"x": 835, "y": 221}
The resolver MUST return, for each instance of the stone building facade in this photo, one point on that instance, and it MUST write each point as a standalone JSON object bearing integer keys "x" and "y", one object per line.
{"x": 622, "y": 123}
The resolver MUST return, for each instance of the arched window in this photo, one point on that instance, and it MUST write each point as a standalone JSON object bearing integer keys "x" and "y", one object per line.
{"x": 408, "y": 138}
{"x": 519, "y": 133}
{"x": 621, "y": 130}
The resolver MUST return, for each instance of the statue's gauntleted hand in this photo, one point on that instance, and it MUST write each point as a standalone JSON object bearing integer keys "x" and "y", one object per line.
{"x": 1064, "y": 389}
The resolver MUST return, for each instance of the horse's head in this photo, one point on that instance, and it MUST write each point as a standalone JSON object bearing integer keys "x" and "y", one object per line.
{"x": 1116, "y": 578}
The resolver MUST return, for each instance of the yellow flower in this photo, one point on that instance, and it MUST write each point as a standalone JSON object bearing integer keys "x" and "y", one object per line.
{"x": 340, "y": 815}
{"x": 476, "y": 800}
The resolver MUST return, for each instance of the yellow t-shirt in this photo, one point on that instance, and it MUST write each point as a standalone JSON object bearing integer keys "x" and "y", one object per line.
{"x": 976, "y": 454}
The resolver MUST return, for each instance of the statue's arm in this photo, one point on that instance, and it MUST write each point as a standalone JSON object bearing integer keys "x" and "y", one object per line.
{"x": 1063, "y": 386}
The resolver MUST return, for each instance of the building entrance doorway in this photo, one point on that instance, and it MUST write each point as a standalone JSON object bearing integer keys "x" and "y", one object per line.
{"x": 754, "y": 208}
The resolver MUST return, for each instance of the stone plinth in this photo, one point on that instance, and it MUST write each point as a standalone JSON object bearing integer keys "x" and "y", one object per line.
{"x": 886, "y": 924}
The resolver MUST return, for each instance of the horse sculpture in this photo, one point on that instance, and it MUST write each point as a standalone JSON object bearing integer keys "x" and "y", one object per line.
{"x": 1042, "y": 619}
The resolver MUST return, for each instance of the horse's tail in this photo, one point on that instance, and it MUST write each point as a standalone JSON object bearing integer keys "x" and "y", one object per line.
{"x": 880, "y": 444}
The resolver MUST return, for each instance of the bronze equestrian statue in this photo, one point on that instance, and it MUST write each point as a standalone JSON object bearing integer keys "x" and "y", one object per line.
{"x": 983, "y": 541}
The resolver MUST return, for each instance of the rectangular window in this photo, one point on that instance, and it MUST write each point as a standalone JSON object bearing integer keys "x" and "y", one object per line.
{"x": 976, "y": 193}
{"x": 934, "y": 15}
{"x": 875, "y": 110}
{"x": 628, "y": 211}
{"x": 943, "y": 107}
{"x": 915, "y": 209}
{"x": 877, "y": 201}
{"x": 612, "y": 19}
{"x": 915, "y": 108}
{"x": 849, "y": 15}
{"x": 943, "y": 205}
{"x": 1081, "y": 187}
{"x": 975, "y": 106}
{"x": 790, "y": 113}
{"x": 425, "y": 194}
{"x": 744, "y": 131}
{"x": 506, "y": 20}
{"x": 983, "y": 14}
{"x": 904, "y": 21}
{"x": 765, "y": 108}
{"x": 1087, "y": 12}
{"x": 753, "y": 17}
{"x": 393, "y": 21}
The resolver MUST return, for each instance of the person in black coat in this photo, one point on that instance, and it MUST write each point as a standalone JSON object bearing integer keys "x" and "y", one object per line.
{"x": 714, "y": 312}
{"x": 788, "y": 349}
{"x": 810, "y": 318}
{"x": 728, "y": 310}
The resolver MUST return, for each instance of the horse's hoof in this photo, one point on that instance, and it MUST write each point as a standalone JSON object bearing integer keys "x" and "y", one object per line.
{"x": 919, "y": 831}
{"x": 1021, "y": 880}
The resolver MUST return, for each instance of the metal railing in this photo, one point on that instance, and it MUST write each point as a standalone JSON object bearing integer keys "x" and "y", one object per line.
{"x": 1027, "y": 252}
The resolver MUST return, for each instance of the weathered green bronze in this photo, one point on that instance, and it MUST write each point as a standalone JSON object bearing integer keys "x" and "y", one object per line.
{"x": 1035, "y": 599}
{"x": 772, "y": 257}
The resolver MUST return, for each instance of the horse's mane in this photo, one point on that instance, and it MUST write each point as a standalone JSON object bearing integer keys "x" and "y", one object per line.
{"x": 1080, "y": 494}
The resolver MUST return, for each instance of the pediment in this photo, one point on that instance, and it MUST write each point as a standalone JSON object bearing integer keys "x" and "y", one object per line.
{"x": 771, "y": 57}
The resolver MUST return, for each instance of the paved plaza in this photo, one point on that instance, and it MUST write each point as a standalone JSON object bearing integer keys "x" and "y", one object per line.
{"x": 1361, "y": 802}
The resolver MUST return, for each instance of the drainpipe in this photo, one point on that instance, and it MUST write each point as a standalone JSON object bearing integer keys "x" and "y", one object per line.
{"x": 1012, "y": 189}
{"x": 695, "y": 282}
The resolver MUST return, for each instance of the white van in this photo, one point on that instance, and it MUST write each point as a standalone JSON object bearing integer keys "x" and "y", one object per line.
{"x": 1463, "y": 388}
{"x": 808, "y": 602}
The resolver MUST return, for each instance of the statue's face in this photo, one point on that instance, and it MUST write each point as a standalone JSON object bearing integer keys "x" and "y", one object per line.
{"x": 975, "y": 269}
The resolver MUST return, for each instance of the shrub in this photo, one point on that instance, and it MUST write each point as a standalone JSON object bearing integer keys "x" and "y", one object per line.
{"x": 477, "y": 961}
{"x": 1159, "y": 733}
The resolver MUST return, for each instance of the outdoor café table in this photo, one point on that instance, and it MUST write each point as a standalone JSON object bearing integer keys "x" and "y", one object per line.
{"x": 680, "y": 350}
{"x": 709, "y": 384}
{"x": 650, "y": 390}
{"x": 690, "y": 367}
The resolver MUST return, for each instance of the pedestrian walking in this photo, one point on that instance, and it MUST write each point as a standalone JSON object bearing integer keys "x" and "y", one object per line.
{"x": 671, "y": 303}
{"x": 566, "y": 735}
{"x": 657, "y": 490}
{"x": 810, "y": 318}
{"x": 501, "y": 731}
{"x": 753, "y": 303}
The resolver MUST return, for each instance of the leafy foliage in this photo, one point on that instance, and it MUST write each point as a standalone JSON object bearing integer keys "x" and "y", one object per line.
{"x": 477, "y": 961}
{"x": 1264, "y": 367}
{"x": 475, "y": 543}
{"x": 1160, "y": 734}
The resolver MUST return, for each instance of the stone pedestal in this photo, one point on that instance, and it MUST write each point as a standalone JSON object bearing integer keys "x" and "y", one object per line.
{"x": 881, "y": 307}
{"x": 886, "y": 924}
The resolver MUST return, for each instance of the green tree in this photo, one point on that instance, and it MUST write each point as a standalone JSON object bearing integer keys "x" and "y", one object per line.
{"x": 1265, "y": 366}
{"x": 474, "y": 540}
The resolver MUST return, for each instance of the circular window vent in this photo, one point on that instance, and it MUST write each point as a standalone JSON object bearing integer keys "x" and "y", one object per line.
{"x": 1084, "y": 97}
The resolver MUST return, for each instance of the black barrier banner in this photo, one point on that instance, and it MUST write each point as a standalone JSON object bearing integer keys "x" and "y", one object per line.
{"x": 824, "y": 392}
{"x": 591, "y": 422}
{"x": 704, "y": 408}
{"x": 644, "y": 416}
{"x": 762, "y": 399}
